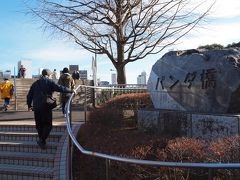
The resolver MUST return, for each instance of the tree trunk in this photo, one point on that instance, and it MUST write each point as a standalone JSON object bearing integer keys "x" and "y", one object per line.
{"x": 121, "y": 76}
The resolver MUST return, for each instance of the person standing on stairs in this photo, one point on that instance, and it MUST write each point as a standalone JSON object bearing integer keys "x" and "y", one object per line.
{"x": 6, "y": 89}
{"x": 22, "y": 72}
{"x": 43, "y": 114}
{"x": 67, "y": 81}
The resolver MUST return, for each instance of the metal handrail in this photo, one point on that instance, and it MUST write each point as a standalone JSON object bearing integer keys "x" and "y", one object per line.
{"x": 137, "y": 161}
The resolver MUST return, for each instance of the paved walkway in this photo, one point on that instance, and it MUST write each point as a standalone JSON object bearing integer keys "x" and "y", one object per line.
{"x": 28, "y": 115}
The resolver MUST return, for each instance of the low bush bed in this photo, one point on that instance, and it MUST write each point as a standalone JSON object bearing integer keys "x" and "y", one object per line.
{"x": 104, "y": 133}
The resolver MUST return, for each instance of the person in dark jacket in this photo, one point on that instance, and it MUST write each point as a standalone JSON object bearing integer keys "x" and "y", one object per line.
{"x": 65, "y": 80}
{"x": 42, "y": 114}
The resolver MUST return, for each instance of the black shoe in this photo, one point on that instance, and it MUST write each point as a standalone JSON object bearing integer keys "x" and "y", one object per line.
{"x": 5, "y": 107}
{"x": 41, "y": 144}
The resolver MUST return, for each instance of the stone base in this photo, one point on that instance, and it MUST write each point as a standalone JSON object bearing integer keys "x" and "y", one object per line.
{"x": 196, "y": 125}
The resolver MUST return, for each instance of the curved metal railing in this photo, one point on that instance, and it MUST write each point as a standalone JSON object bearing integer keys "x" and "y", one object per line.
{"x": 209, "y": 166}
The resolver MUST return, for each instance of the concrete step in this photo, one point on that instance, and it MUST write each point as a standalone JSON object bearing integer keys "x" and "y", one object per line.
{"x": 27, "y": 159}
{"x": 26, "y": 146}
{"x": 27, "y": 128}
{"x": 28, "y": 136}
{"x": 20, "y": 156}
{"x": 17, "y": 172}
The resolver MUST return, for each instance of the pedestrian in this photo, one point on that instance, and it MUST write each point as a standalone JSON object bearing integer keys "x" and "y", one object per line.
{"x": 6, "y": 89}
{"x": 75, "y": 75}
{"x": 42, "y": 113}
{"x": 22, "y": 72}
{"x": 67, "y": 81}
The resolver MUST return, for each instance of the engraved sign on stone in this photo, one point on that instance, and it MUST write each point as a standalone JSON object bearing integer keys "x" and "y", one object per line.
{"x": 197, "y": 81}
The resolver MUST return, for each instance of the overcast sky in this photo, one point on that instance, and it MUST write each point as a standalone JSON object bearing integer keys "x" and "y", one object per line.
{"x": 22, "y": 39}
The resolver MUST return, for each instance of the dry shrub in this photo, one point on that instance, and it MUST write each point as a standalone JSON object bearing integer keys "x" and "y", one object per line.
{"x": 131, "y": 101}
{"x": 138, "y": 145}
{"x": 150, "y": 147}
{"x": 186, "y": 150}
{"x": 149, "y": 150}
{"x": 106, "y": 116}
{"x": 112, "y": 112}
{"x": 225, "y": 150}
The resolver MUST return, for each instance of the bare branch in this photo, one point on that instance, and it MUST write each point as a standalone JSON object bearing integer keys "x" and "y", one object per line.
{"x": 124, "y": 30}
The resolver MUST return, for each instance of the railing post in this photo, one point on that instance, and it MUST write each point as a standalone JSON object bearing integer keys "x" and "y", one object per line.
{"x": 210, "y": 174}
{"x": 70, "y": 150}
{"x": 107, "y": 168}
{"x": 15, "y": 90}
{"x": 93, "y": 97}
{"x": 85, "y": 104}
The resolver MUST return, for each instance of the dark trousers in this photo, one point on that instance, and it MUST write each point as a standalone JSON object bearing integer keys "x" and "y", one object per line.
{"x": 6, "y": 101}
{"x": 63, "y": 107}
{"x": 43, "y": 120}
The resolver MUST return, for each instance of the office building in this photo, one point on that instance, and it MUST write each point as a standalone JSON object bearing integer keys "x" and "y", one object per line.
{"x": 5, "y": 74}
{"x": 114, "y": 78}
{"x": 142, "y": 78}
{"x": 103, "y": 83}
{"x": 40, "y": 71}
{"x": 1, "y": 74}
{"x": 73, "y": 68}
{"x": 83, "y": 74}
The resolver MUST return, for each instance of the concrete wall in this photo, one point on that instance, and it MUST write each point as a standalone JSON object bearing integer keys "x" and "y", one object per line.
{"x": 178, "y": 123}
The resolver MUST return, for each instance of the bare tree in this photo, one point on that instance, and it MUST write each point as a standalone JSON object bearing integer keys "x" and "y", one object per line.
{"x": 124, "y": 30}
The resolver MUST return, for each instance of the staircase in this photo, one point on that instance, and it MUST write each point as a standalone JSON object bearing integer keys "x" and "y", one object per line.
{"x": 22, "y": 159}
{"x": 18, "y": 102}
{"x": 22, "y": 86}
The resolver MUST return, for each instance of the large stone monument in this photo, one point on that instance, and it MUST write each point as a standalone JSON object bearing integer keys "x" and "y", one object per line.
{"x": 195, "y": 93}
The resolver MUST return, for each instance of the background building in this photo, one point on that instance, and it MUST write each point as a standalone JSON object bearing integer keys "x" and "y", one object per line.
{"x": 5, "y": 74}
{"x": 28, "y": 65}
{"x": 40, "y": 71}
{"x": 103, "y": 83}
{"x": 83, "y": 74}
{"x": 114, "y": 78}
{"x": 73, "y": 68}
{"x": 142, "y": 78}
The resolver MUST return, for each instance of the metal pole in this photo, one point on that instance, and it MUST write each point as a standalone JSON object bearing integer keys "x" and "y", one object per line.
{"x": 70, "y": 149}
{"x": 15, "y": 89}
{"x": 107, "y": 168}
{"x": 94, "y": 96}
{"x": 210, "y": 174}
{"x": 85, "y": 104}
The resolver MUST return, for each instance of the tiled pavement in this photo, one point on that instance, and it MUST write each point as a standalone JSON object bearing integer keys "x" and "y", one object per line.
{"x": 59, "y": 159}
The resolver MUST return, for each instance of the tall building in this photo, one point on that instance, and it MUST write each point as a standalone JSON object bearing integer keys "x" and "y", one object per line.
{"x": 114, "y": 78}
{"x": 142, "y": 78}
{"x": 83, "y": 74}
{"x": 28, "y": 65}
{"x": 1, "y": 74}
{"x": 73, "y": 68}
{"x": 40, "y": 71}
{"x": 5, "y": 74}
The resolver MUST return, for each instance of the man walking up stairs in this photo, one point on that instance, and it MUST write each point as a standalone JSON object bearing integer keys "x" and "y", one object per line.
{"x": 20, "y": 156}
